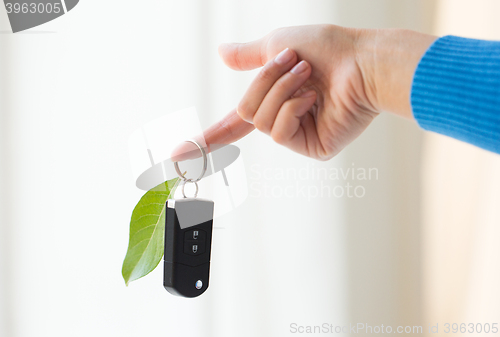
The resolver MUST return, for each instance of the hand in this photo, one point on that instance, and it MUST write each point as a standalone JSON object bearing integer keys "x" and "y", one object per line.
{"x": 320, "y": 86}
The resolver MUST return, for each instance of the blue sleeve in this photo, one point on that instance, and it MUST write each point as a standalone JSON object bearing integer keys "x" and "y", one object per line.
{"x": 456, "y": 91}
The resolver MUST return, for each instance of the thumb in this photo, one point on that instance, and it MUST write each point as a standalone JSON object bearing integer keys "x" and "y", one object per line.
{"x": 243, "y": 56}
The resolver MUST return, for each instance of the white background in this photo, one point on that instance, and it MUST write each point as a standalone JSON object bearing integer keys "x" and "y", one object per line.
{"x": 73, "y": 90}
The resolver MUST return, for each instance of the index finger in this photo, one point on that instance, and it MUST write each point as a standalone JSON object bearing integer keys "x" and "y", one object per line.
{"x": 228, "y": 130}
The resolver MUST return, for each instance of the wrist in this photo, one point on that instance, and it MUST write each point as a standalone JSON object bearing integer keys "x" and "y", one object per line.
{"x": 388, "y": 59}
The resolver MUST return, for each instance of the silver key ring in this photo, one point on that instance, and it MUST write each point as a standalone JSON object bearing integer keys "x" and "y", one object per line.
{"x": 205, "y": 164}
{"x": 184, "y": 185}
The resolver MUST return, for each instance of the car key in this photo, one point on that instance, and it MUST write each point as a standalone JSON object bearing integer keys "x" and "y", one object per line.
{"x": 188, "y": 241}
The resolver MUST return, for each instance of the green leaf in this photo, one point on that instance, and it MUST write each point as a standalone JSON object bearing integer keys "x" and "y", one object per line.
{"x": 147, "y": 228}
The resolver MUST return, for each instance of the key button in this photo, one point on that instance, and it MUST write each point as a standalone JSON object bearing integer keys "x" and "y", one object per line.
{"x": 195, "y": 235}
{"x": 193, "y": 248}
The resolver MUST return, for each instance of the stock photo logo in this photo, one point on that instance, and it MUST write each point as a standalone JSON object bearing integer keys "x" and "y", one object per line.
{"x": 150, "y": 146}
{"x": 26, "y": 14}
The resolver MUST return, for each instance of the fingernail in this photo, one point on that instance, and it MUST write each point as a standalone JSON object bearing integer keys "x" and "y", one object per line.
{"x": 308, "y": 93}
{"x": 299, "y": 68}
{"x": 284, "y": 57}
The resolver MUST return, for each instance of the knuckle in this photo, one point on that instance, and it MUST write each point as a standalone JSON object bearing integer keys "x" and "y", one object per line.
{"x": 283, "y": 84}
{"x": 278, "y": 136}
{"x": 244, "y": 111}
{"x": 224, "y": 125}
{"x": 287, "y": 106}
{"x": 261, "y": 124}
{"x": 274, "y": 39}
{"x": 237, "y": 57}
{"x": 267, "y": 74}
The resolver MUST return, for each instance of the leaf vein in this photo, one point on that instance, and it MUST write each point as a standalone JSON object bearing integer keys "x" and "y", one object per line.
{"x": 150, "y": 239}
{"x": 143, "y": 228}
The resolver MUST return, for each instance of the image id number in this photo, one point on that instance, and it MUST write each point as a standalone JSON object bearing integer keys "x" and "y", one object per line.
{"x": 33, "y": 8}
{"x": 471, "y": 328}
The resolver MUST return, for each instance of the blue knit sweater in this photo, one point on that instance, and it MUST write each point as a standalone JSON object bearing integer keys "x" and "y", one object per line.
{"x": 456, "y": 90}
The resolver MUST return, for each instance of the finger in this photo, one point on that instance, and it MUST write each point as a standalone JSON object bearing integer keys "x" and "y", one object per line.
{"x": 226, "y": 131}
{"x": 244, "y": 56}
{"x": 287, "y": 129}
{"x": 280, "y": 92}
{"x": 233, "y": 127}
{"x": 264, "y": 81}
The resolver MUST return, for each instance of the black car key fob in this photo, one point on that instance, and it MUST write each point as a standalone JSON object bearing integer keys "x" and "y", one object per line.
{"x": 188, "y": 241}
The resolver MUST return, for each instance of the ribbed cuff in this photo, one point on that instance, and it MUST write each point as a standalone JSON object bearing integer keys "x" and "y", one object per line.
{"x": 456, "y": 91}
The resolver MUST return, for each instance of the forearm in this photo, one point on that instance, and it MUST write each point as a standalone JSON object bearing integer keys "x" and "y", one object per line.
{"x": 456, "y": 91}
{"x": 388, "y": 59}
{"x": 449, "y": 85}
